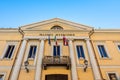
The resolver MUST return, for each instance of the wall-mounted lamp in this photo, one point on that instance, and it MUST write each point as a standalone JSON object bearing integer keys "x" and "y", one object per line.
{"x": 86, "y": 65}
{"x": 26, "y": 63}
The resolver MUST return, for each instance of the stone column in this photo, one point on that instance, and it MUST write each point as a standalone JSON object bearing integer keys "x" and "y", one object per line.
{"x": 95, "y": 68}
{"x": 39, "y": 61}
{"x": 73, "y": 62}
{"x": 18, "y": 63}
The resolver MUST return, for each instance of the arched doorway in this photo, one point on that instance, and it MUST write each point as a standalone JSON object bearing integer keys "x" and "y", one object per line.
{"x": 56, "y": 77}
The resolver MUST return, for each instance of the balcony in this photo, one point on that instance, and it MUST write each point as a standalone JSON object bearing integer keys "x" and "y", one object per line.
{"x": 56, "y": 61}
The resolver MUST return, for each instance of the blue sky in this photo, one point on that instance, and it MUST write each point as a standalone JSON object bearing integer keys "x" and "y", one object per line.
{"x": 95, "y": 13}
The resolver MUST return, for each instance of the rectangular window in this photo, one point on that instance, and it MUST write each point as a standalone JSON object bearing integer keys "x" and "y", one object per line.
{"x": 56, "y": 50}
{"x": 119, "y": 47}
{"x": 32, "y": 51}
{"x": 102, "y": 51}
{"x": 80, "y": 51}
{"x": 112, "y": 76}
{"x": 9, "y": 51}
{"x": 1, "y": 76}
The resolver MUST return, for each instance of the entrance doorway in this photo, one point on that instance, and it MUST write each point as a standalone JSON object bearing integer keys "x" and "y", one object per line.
{"x": 56, "y": 77}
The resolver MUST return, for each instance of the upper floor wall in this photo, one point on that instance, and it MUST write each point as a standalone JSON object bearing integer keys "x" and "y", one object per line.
{"x": 10, "y": 34}
{"x": 106, "y": 34}
{"x": 60, "y": 28}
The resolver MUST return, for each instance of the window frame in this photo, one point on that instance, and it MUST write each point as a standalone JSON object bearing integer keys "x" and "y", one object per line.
{"x": 112, "y": 73}
{"x": 105, "y": 47}
{"x": 4, "y": 74}
{"x": 56, "y": 50}
{"x": 117, "y": 44}
{"x": 6, "y": 48}
{"x": 8, "y": 52}
{"x": 118, "y": 47}
{"x": 52, "y": 46}
{"x": 29, "y": 52}
{"x": 56, "y": 27}
{"x": 85, "y": 52}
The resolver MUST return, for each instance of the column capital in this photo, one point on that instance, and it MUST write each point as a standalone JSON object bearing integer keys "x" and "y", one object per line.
{"x": 87, "y": 39}
{"x": 25, "y": 39}
{"x": 70, "y": 39}
{"x": 42, "y": 39}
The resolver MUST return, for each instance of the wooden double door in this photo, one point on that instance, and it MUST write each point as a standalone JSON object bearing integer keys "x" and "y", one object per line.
{"x": 56, "y": 77}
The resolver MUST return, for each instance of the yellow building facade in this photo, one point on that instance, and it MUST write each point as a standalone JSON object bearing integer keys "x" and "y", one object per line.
{"x": 57, "y": 49}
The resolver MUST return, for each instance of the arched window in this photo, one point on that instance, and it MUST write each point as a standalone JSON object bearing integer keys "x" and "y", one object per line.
{"x": 57, "y": 28}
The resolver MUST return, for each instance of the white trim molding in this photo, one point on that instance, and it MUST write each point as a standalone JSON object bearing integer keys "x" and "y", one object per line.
{"x": 5, "y": 67}
{"x": 110, "y": 66}
{"x": 52, "y": 37}
{"x": 116, "y": 44}
{"x": 31, "y": 67}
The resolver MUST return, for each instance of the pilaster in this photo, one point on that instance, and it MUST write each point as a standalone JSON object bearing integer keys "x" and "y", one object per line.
{"x": 18, "y": 63}
{"x": 39, "y": 61}
{"x": 73, "y": 62}
{"x": 95, "y": 68}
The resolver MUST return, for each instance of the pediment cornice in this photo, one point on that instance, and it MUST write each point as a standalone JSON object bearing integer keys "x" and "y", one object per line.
{"x": 56, "y": 20}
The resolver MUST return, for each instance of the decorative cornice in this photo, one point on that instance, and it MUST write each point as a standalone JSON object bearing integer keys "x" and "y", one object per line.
{"x": 5, "y": 67}
{"x": 59, "y": 30}
{"x": 110, "y": 66}
{"x": 30, "y": 67}
{"x": 52, "y": 37}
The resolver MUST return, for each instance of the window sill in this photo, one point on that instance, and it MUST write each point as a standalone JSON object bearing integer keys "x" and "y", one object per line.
{"x": 82, "y": 65}
{"x": 81, "y": 58}
{"x": 30, "y": 59}
{"x": 104, "y": 58}
{"x": 6, "y": 59}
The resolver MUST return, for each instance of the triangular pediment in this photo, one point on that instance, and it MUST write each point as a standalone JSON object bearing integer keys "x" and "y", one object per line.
{"x": 48, "y": 24}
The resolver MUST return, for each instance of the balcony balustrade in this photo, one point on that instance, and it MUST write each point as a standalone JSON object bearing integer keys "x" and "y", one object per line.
{"x": 56, "y": 61}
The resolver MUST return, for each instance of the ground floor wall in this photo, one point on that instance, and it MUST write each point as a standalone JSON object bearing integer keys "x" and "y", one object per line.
{"x": 56, "y": 71}
{"x": 88, "y": 75}
{"x": 23, "y": 75}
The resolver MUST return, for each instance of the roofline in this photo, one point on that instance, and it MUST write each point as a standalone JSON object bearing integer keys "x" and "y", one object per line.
{"x": 9, "y": 30}
{"x": 106, "y": 30}
{"x": 95, "y": 30}
{"x": 57, "y": 19}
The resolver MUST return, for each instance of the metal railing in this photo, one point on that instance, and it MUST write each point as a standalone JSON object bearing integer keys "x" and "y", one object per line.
{"x": 56, "y": 61}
